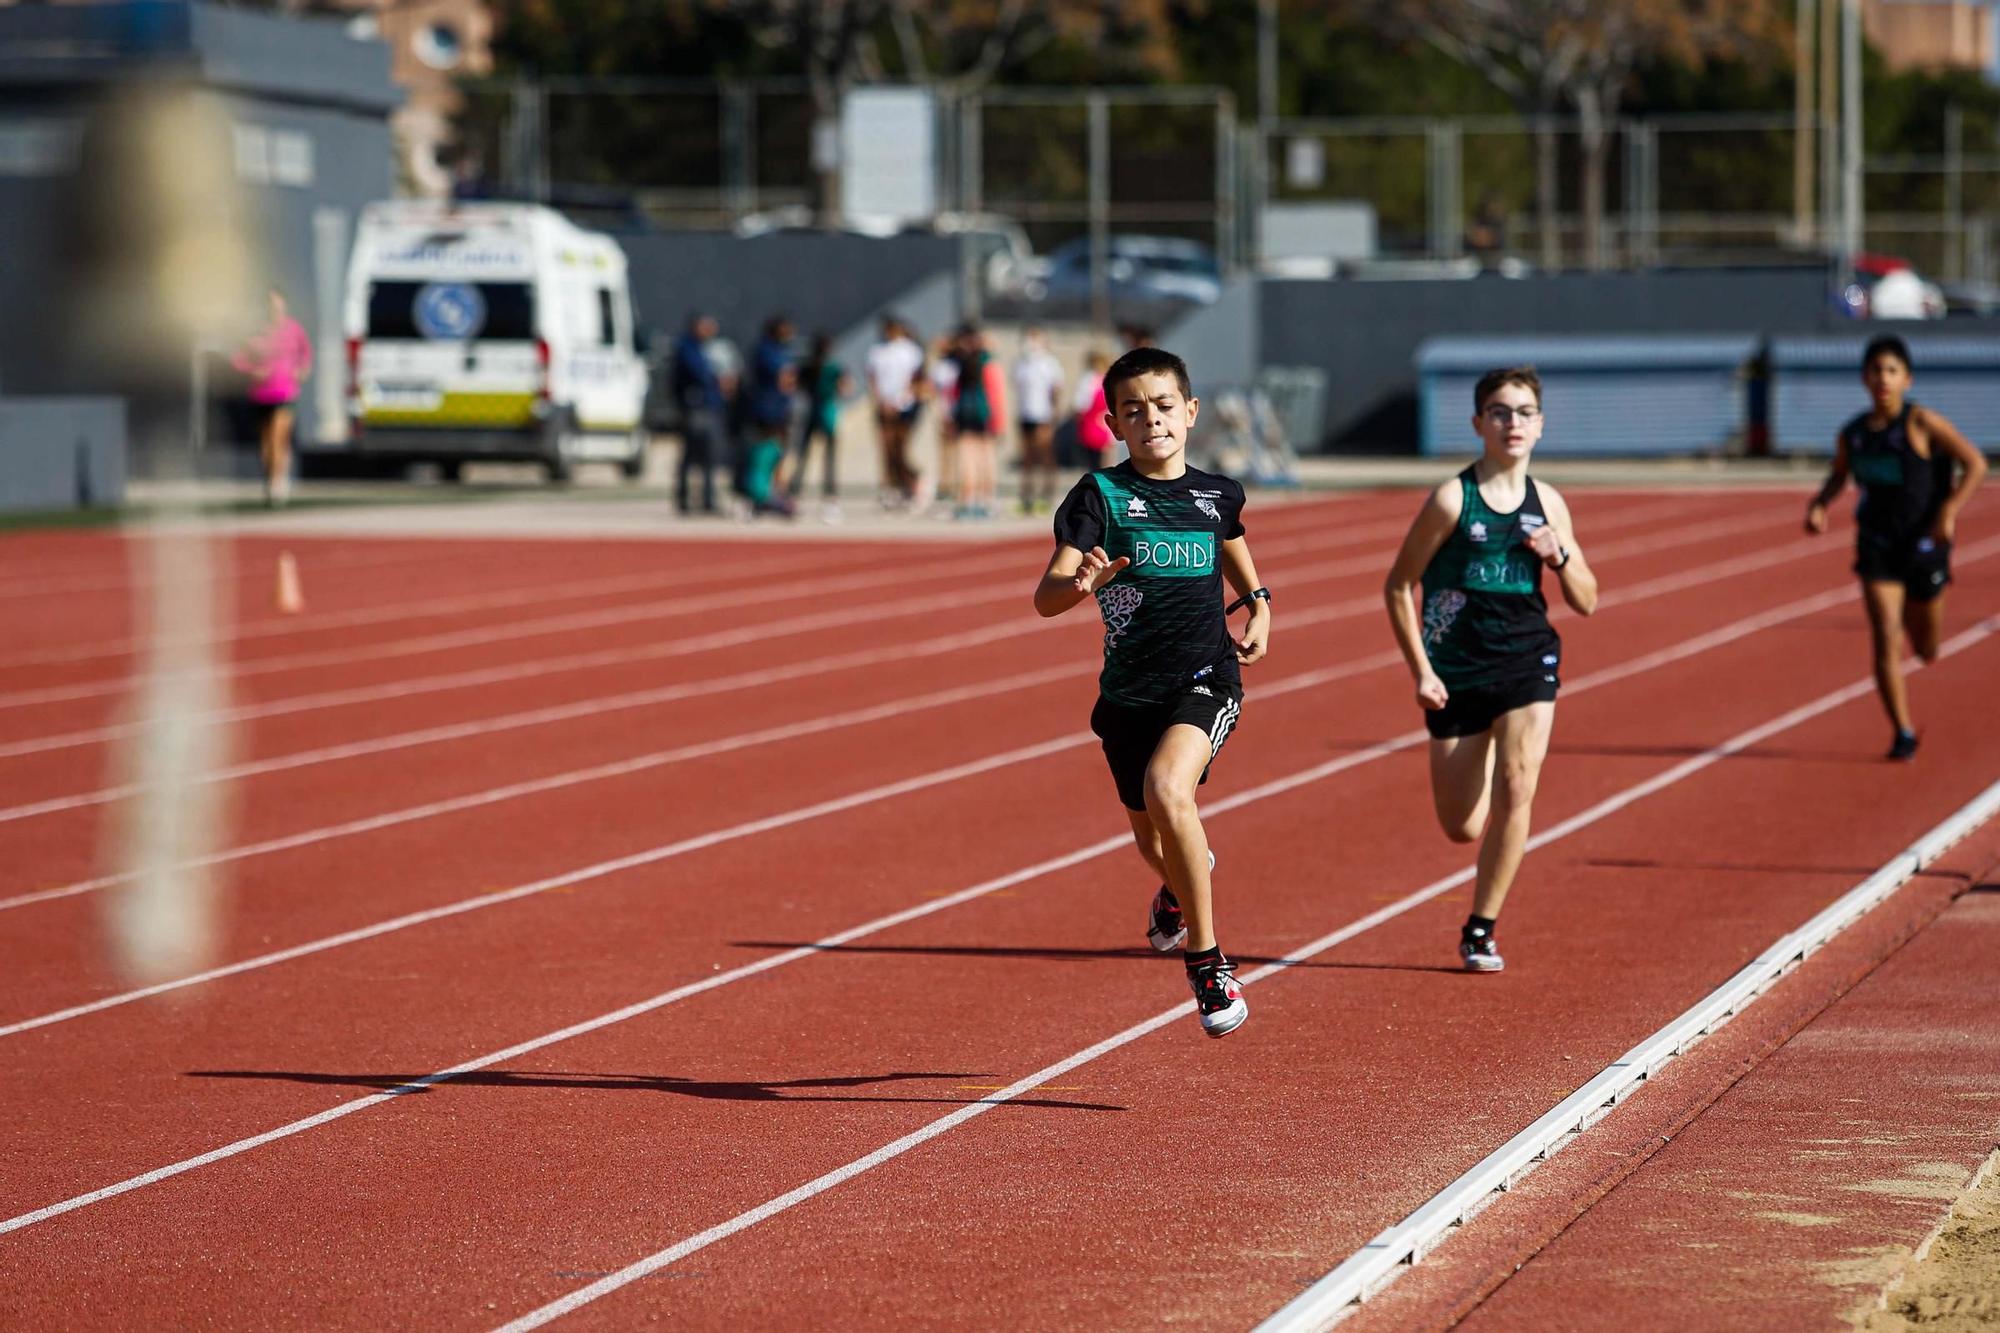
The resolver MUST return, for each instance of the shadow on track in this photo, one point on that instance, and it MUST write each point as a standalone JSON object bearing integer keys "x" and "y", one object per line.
{"x": 778, "y": 1090}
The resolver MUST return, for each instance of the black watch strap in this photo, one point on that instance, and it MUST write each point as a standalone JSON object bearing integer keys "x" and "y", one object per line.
{"x": 1255, "y": 594}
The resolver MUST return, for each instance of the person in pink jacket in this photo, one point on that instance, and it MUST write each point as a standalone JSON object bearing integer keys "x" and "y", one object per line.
{"x": 278, "y": 361}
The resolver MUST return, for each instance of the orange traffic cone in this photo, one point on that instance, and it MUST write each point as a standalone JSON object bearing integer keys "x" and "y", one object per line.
{"x": 290, "y": 597}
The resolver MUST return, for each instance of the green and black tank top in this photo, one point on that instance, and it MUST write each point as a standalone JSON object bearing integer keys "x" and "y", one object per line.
{"x": 1900, "y": 492}
{"x": 1485, "y": 619}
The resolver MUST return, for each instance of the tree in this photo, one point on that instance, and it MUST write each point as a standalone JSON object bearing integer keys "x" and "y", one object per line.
{"x": 961, "y": 44}
{"x": 1545, "y": 54}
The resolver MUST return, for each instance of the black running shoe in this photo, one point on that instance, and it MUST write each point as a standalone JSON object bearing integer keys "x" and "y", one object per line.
{"x": 1476, "y": 951}
{"x": 1166, "y": 930}
{"x": 1219, "y": 997}
{"x": 1905, "y": 746}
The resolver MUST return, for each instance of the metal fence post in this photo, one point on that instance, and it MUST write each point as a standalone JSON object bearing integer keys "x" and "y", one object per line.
{"x": 1954, "y": 192}
{"x": 1225, "y": 184}
{"x": 738, "y": 186}
{"x": 1445, "y": 189}
{"x": 1100, "y": 208}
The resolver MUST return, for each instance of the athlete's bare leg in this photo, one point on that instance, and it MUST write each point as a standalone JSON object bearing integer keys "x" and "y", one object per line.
{"x": 1885, "y": 625}
{"x": 1147, "y": 839}
{"x": 1172, "y": 779}
{"x": 1462, "y": 783}
{"x": 1520, "y": 743}
{"x": 1924, "y": 623}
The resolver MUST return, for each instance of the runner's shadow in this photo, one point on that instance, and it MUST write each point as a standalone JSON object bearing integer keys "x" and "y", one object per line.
{"x": 1689, "y": 751}
{"x": 1060, "y": 955}
{"x": 1744, "y": 867}
{"x": 779, "y": 1090}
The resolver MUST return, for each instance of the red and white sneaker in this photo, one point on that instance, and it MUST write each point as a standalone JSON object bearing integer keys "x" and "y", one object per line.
{"x": 1166, "y": 930}
{"x": 1219, "y": 997}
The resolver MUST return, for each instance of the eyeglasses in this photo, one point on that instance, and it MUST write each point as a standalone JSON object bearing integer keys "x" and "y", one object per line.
{"x": 1500, "y": 414}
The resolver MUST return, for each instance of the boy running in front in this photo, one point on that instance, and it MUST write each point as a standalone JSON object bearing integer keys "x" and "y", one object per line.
{"x": 1485, "y": 657}
{"x": 1152, "y": 539}
{"x": 1902, "y": 456}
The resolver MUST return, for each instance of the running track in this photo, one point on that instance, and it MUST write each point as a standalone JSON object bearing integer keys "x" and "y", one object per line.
{"x": 744, "y": 935}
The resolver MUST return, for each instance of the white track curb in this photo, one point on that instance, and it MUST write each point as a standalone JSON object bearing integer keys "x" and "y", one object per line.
{"x": 1385, "y": 1258}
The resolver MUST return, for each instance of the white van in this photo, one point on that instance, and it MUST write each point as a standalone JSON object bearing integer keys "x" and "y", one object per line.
{"x": 490, "y": 331}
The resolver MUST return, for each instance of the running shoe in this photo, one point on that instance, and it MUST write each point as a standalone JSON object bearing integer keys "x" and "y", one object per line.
{"x": 1166, "y": 931}
{"x": 1905, "y": 746}
{"x": 1219, "y": 997}
{"x": 1477, "y": 952}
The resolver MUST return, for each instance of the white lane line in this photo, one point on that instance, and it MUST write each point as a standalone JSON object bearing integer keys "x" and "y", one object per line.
{"x": 1602, "y": 810}
{"x": 1364, "y": 1274}
{"x": 542, "y": 627}
{"x": 839, "y": 618}
{"x": 1295, "y": 576}
{"x": 444, "y": 604}
{"x": 789, "y": 590}
{"x": 947, "y": 643}
{"x": 1116, "y": 842}
{"x": 607, "y": 657}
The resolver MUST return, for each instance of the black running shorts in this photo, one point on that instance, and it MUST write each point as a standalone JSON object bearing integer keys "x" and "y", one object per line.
{"x": 1923, "y": 567}
{"x": 1470, "y": 709}
{"x": 1131, "y": 734}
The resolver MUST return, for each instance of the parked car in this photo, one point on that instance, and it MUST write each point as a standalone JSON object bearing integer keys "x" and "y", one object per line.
{"x": 1155, "y": 268}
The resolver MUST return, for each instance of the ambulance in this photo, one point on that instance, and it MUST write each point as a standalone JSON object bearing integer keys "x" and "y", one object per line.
{"x": 490, "y": 331}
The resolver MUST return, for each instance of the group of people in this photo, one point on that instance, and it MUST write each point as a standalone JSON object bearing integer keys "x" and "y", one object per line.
{"x": 759, "y": 422}
{"x": 1152, "y": 541}
{"x": 963, "y": 374}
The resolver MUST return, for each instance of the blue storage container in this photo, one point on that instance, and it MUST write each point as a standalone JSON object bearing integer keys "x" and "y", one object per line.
{"x": 1606, "y": 396}
{"x": 1816, "y": 387}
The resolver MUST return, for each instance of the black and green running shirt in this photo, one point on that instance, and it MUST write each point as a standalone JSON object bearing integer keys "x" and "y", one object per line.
{"x": 1164, "y": 630}
{"x": 1485, "y": 619}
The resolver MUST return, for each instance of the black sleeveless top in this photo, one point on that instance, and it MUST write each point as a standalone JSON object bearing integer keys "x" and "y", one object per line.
{"x": 1485, "y": 619}
{"x": 1900, "y": 492}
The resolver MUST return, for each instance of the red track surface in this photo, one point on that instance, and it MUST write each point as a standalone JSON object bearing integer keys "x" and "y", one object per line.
{"x": 1171, "y": 1178}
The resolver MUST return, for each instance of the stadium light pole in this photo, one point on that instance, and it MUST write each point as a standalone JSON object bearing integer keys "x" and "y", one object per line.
{"x": 1850, "y": 138}
{"x": 1267, "y": 116}
{"x": 1802, "y": 126}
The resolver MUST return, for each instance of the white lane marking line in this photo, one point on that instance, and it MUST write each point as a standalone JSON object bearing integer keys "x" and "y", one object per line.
{"x": 1365, "y": 1273}
{"x": 859, "y": 580}
{"x": 1584, "y": 819}
{"x": 1076, "y": 857}
{"x": 612, "y": 657}
{"x": 680, "y": 647}
{"x": 443, "y": 604}
{"x": 945, "y": 643}
{"x": 541, "y": 627}
{"x": 590, "y": 707}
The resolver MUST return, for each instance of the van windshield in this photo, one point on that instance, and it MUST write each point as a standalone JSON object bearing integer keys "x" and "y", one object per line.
{"x": 495, "y": 311}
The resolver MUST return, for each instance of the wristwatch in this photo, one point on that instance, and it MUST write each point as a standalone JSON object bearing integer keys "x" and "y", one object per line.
{"x": 1562, "y": 551}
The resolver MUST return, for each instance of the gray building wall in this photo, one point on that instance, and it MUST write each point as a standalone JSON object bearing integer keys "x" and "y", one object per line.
{"x": 1364, "y": 335}
{"x": 286, "y": 86}
{"x": 61, "y": 453}
{"x": 824, "y": 281}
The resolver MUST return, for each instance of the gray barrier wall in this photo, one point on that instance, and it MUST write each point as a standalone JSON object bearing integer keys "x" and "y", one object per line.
{"x": 61, "y": 453}
{"x": 1364, "y": 334}
{"x": 306, "y": 107}
{"x": 823, "y": 281}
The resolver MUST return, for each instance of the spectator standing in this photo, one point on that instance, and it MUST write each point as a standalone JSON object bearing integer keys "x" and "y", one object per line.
{"x": 1037, "y": 389}
{"x": 773, "y": 381}
{"x": 825, "y": 383}
{"x": 1093, "y": 433}
{"x": 895, "y": 364}
{"x": 704, "y": 412}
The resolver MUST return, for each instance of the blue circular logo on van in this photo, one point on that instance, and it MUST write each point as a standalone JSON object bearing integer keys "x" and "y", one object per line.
{"x": 449, "y": 310}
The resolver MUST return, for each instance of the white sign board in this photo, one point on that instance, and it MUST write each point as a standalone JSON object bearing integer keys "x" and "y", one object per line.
{"x": 888, "y": 147}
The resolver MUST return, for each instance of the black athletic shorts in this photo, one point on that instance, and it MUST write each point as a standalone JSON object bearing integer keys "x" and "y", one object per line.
{"x": 1923, "y": 567}
{"x": 1470, "y": 709}
{"x": 1131, "y": 734}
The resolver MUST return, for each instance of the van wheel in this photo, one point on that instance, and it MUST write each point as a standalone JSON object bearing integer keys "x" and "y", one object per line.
{"x": 634, "y": 467}
{"x": 560, "y": 472}
{"x": 451, "y": 469}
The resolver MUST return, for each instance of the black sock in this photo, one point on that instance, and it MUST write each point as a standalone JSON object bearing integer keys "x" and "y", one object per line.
{"x": 1483, "y": 924}
{"x": 1201, "y": 958}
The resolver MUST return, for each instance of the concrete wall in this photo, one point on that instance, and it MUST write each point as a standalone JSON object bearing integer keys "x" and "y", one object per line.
{"x": 1364, "y": 335}
{"x": 301, "y": 83}
{"x": 824, "y": 281}
{"x": 61, "y": 453}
